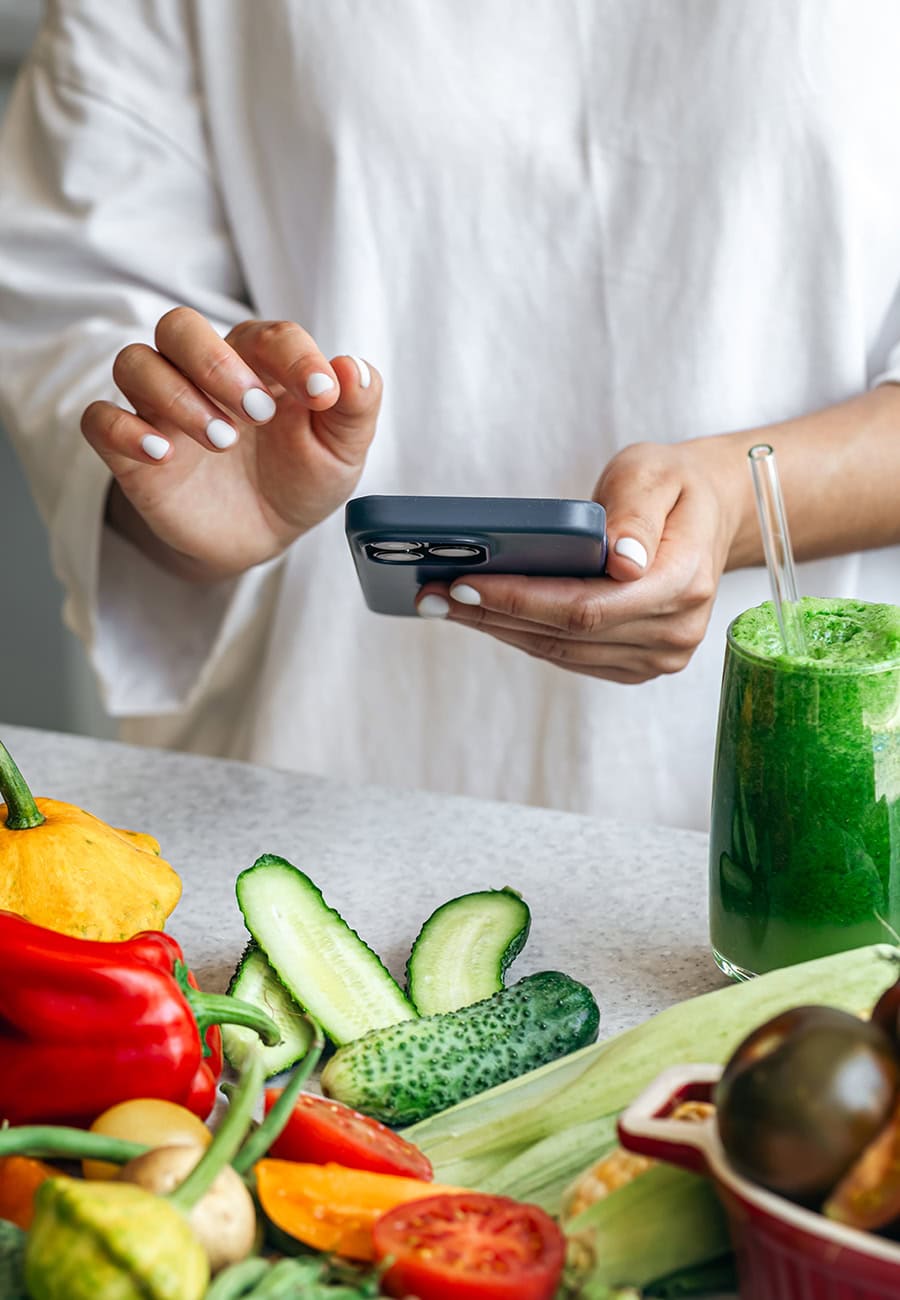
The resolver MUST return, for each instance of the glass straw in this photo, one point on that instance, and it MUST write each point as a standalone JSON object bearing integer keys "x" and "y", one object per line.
{"x": 777, "y": 547}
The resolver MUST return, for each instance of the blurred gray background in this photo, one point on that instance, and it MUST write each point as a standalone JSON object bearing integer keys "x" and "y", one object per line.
{"x": 44, "y": 677}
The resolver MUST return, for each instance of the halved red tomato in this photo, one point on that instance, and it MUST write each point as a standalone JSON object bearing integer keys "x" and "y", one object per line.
{"x": 322, "y": 1132}
{"x": 470, "y": 1247}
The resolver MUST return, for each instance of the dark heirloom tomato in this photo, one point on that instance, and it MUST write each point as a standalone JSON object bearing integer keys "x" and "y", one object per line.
{"x": 320, "y": 1132}
{"x": 470, "y": 1247}
{"x": 802, "y": 1096}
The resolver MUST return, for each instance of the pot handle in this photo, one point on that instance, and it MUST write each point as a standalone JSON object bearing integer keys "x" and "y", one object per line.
{"x": 644, "y": 1127}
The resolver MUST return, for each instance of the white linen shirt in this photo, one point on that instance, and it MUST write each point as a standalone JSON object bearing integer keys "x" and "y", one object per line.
{"x": 557, "y": 228}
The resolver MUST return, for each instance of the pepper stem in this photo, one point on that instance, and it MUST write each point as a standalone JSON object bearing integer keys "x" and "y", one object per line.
{"x": 22, "y": 813}
{"x": 56, "y": 1142}
{"x": 222, "y": 1009}
{"x": 261, "y": 1139}
{"x": 228, "y": 1138}
{"x": 231, "y": 1132}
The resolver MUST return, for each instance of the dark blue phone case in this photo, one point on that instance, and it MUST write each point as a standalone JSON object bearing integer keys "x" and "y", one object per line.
{"x": 400, "y": 543}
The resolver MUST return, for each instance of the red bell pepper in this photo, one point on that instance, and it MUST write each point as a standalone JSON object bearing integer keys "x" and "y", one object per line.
{"x": 86, "y": 1024}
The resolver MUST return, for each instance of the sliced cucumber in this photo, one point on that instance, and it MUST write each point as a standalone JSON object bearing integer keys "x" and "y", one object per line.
{"x": 408, "y": 1071}
{"x": 255, "y": 981}
{"x": 464, "y": 949}
{"x": 324, "y": 964}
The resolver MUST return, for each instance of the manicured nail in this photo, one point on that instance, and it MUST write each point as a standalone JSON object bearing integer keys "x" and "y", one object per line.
{"x": 317, "y": 384}
{"x": 258, "y": 404}
{"x": 465, "y": 594}
{"x": 365, "y": 374}
{"x": 221, "y": 434}
{"x": 155, "y": 446}
{"x": 433, "y": 607}
{"x": 631, "y": 549}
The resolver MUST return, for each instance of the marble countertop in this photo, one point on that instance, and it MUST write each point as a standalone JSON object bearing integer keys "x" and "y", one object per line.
{"x": 621, "y": 908}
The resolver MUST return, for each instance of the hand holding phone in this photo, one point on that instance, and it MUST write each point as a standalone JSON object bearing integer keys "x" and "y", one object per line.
{"x": 399, "y": 543}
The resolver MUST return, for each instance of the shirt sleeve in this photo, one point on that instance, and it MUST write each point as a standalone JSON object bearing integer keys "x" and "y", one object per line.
{"x": 109, "y": 216}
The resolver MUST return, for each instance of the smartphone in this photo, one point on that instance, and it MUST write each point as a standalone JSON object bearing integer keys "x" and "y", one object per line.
{"x": 400, "y": 543}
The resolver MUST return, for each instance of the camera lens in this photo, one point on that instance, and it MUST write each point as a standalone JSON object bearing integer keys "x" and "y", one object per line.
{"x": 398, "y": 557}
{"x": 396, "y": 546}
{"x": 454, "y": 552}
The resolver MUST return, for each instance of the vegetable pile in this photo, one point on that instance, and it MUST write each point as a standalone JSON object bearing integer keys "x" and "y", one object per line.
{"x": 174, "y": 1215}
{"x": 435, "y": 1207}
{"x": 506, "y": 1182}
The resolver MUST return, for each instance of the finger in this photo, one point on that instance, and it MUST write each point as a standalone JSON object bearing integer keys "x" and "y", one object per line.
{"x": 458, "y": 602}
{"x": 347, "y": 427}
{"x": 211, "y": 363}
{"x": 650, "y": 633}
{"x": 638, "y": 492}
{"x": 122, "y": 439}
{"x": 155, "y": 387}
{"x": 284, "y": 351}
{"x": 580, "y": 607}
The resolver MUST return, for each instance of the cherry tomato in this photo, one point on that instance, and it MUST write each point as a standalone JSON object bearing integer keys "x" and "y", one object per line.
{"x": 470, "y": 1247}
{"x": 322, "y": 1132}
{"x": 150, "y": 1120}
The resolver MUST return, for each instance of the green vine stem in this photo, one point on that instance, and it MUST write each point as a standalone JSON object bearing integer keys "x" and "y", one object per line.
{"x": 22, "y": 813}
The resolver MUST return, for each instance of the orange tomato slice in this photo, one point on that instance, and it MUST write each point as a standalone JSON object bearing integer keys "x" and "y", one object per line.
{"x": 333, "y": 1208}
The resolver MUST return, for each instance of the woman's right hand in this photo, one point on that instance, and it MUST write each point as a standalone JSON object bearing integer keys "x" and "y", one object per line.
{"x": 236, "y": 446}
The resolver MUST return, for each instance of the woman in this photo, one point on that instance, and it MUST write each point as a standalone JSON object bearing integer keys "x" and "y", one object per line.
{"x": 592, "y": 250}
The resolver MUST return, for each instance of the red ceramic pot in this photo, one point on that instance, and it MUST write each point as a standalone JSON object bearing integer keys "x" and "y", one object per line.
{"x": 783, "y": 1251}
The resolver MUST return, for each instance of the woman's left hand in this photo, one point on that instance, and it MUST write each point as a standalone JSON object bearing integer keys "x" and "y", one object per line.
{"x": 672, "y": 515}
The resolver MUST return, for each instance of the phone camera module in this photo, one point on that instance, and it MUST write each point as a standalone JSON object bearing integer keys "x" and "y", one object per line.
{"x": 395, "y": 551}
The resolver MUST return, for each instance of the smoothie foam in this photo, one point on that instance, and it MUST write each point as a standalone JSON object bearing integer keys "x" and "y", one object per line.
{"x": 840, "y": 634}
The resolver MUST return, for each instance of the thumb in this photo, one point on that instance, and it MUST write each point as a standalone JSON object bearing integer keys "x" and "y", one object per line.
{"x": 639, "y": 489}
{"x": 348, "y": 426}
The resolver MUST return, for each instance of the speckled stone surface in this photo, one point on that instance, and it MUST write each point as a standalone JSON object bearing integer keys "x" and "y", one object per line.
{"x": 619, "y": 907}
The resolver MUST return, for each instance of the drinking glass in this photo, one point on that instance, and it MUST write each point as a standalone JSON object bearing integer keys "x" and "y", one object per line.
{"x": 805, "y": 831}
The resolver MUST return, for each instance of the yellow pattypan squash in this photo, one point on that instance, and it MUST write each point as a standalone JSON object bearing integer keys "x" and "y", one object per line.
{"x": 65, "y": 869}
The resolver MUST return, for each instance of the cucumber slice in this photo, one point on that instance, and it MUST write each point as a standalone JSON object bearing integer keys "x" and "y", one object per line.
{"x": 323, "y": 963}
{"x": 463, "y": 950}
{"x": 255, "y": 981}
{"x": 404, "y": 1073}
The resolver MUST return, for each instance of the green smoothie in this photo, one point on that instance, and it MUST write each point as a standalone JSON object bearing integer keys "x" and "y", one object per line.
{"x": 805, "y": 834}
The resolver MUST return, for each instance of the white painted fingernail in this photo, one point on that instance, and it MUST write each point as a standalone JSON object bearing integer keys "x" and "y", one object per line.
{"x": 221, "y": 434}
{"x": 317, "y": 384}
{"x": 433, "y": 607}
{"x": 258, "y": 404}
{"x": 631, "y": 549}
{"x": 365, "y": 374}
{"x": 155, "y": 446}
{"x": 465, "y": 594}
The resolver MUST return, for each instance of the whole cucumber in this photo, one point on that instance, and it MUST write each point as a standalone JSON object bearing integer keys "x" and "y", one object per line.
{"x": 408, "y": 1071}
